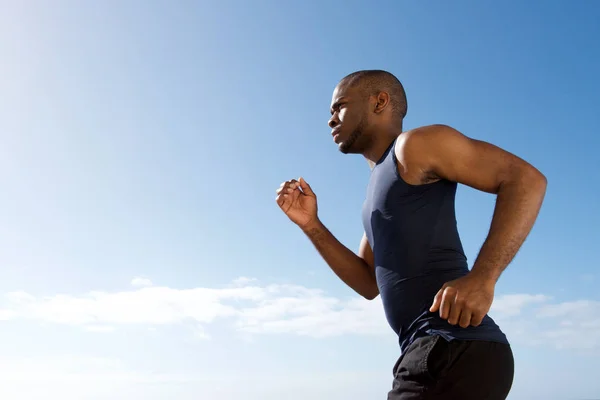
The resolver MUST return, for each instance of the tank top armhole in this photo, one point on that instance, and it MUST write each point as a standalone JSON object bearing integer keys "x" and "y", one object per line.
{"x": 399, "y": 176}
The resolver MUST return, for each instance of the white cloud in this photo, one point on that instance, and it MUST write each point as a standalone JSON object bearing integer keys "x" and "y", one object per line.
{"x": 5, "y": 315}
{"x": 75, "y": 378}
{"x": 200, "y": 333}
{"x": 314, "y": 315}
{"x": 141, "y": 282}
{"x": 579, "y": 326}
{"x": 154, "y": 306}
{"x": 243, "y": 281}
{"x": 253, "y": 309}
{"x": 511, "y": 305}
{"x": 65, "y": 369}
{"x": 100, "y": 328}
{"x": 571, "y": 308}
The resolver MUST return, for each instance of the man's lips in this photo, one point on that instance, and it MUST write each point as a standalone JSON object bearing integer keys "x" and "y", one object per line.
{"x": 335, "y": 133}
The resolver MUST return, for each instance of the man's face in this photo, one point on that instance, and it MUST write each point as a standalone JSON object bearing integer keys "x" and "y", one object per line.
{"x": 348, "y": 119}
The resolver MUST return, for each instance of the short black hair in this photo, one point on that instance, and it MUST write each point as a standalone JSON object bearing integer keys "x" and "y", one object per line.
{"x": 374, "y": 81}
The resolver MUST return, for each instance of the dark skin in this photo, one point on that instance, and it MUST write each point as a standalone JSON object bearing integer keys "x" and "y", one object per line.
{"x": 366, "y": 124}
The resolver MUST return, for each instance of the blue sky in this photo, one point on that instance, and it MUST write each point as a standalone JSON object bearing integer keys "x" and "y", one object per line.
{"x": 140, "y": 149}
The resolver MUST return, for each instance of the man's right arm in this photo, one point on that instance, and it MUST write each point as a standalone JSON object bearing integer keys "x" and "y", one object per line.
{"x": 356, "y": 271}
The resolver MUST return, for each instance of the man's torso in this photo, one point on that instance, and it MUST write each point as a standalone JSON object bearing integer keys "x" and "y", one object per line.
{"x": 416, "y": 246}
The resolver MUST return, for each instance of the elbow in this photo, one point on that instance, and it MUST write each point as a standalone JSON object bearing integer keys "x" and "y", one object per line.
{"x": 535, "y": 180}
{"x": 525, "y": 176}
{"x": 371, "y": 294}
{"x": 543, "y": 181}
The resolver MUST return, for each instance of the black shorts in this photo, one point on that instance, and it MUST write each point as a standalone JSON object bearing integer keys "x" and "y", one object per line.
{"x": 433, "y": 368}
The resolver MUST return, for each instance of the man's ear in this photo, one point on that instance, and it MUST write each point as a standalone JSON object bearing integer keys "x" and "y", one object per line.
{"x": 382, "y": 101}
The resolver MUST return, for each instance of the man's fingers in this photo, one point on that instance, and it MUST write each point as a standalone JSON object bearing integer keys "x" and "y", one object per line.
{"x": 455, "y": 311}
{"x": 287, "y": 193}
{"x": 306, "y": 187}
{"x": 282, "y": 199}
{"x": 437, "y": 301}
{"x": 283, "y": 193}
{"x": 458, "y": 302}
{"x": 287, "y": 187}
{"x": 465, "y": 318}
{"x": 447, "y": 302}
{"x": 285, "y": 184}
{"x": 476, "y": 319}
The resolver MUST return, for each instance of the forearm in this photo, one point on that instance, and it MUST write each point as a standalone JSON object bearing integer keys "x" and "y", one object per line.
{"x": 517, "y": 206}
{"x": 348, "y": 266}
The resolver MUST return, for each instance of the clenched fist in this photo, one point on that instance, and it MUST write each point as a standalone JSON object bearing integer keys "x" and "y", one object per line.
{"x": 464, "y": 301}
{"x": 297, "y": 200}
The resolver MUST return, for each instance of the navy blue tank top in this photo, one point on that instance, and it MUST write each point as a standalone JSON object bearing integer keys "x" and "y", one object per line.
{"x": 416, "y": 247}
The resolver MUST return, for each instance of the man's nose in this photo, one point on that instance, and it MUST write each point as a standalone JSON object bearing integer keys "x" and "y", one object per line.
{"x": 333, "y": 122}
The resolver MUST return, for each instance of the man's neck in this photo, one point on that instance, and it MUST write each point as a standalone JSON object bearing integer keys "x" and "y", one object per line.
{"x": 380, "y": 145}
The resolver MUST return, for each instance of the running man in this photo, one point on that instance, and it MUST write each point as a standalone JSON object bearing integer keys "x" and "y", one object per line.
{"x": 411, "y": 253}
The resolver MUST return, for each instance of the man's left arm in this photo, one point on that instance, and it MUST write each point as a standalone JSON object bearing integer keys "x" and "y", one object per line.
{"x": 520, "y": 189}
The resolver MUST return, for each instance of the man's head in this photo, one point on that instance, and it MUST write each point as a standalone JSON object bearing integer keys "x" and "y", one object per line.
{"x": 363, "y": 104}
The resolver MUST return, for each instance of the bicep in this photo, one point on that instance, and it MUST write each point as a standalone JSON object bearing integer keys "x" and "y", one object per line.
{"x": 475, "y": 163}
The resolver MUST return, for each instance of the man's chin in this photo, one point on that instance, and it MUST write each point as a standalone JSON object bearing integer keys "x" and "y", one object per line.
{"x": 349, "y": 145}
{"x": 346, "y": 149}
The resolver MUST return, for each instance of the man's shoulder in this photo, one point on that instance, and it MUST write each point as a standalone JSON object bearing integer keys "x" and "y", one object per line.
{"x": 427, "y": 132}
{"x": 414, "y": 142}
{"x": 413, "y": 151}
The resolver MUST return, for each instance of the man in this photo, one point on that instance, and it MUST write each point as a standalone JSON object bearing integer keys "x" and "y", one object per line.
{"x": 411, "y": 253}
